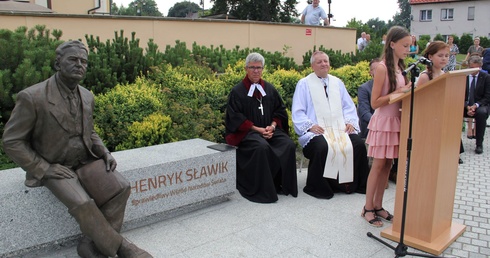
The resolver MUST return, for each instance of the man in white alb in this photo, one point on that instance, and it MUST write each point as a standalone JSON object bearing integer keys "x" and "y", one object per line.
{"x": 325, "y": 118}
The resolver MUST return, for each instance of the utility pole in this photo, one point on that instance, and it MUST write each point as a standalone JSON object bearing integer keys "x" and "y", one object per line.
{"x": 202, "y": 4}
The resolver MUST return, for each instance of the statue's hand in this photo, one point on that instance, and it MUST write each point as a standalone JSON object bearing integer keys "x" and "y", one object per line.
{"x": 110, "y": 162}
{"x": 57, "y": 171}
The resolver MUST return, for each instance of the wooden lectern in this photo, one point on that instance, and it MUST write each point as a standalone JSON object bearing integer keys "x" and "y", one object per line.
{"x": 436, "y": 136}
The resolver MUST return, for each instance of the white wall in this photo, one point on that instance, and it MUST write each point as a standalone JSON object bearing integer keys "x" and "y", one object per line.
{"x": 480, "y": 26}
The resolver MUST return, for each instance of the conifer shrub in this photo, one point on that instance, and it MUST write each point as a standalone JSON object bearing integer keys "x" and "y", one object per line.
{"x": 336, "y": 57}
{"x": 26, "y": 58}
{"x": 118, "y": 61}
{"x": 465, "y": 42}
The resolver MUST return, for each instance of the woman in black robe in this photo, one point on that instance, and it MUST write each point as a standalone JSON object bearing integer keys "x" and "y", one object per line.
{"x": 257, "y": 122}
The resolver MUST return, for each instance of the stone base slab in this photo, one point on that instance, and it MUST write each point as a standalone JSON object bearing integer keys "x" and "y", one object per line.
{"x": 166, "y": 180}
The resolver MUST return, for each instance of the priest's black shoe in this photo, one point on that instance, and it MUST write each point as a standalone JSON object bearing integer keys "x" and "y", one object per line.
{"x": 479, "y": 150}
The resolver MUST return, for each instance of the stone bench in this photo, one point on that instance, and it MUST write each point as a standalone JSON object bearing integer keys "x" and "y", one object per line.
{"x": 166, "y": 180}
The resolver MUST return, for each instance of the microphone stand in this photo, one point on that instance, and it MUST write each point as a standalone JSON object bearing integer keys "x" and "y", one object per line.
{"x": 401, "y": 248}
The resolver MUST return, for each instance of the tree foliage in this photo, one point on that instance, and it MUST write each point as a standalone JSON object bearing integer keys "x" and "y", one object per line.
{"x": 181, "y": 9}
{"x": 257, "y": 10}
{"x": 137, "y": 8}
{"x": 402, "y": 18}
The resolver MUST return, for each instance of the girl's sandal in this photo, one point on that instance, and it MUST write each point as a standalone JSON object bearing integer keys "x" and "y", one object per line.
{"x": 388, "y": 217}
{"x": 376, "y": 222}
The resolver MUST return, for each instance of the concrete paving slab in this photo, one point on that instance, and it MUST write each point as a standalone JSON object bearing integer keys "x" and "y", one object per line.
{"x": 309, "y": 227}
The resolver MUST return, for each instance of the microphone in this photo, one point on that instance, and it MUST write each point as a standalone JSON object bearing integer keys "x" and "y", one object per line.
{"x": 425, "y": 61}
{"x": 421, "y": 60}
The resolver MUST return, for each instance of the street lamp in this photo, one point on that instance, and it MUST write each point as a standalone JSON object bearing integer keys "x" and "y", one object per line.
{"x": 330, "y": 15}
{"x": 139, "y": 7}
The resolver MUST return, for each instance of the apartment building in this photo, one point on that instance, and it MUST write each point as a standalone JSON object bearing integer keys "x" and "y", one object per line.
{"x": 75, "y": 6}
{"x": 446, "y": 17}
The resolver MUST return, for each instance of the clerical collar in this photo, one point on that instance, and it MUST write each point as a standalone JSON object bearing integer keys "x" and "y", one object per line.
{"x": 256, "y": 93}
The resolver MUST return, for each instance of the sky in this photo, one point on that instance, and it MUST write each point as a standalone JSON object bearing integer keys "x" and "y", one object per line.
{"x": 342, "y": 10}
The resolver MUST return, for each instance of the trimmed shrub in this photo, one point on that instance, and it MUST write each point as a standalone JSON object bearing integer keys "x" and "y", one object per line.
{"x": 353, "y": 76}
{"x": 464, "y": 43}
{"x": 195, "y": 106}
{"x": 116, "y": 110}
{"x": 151, "y": 131}
{"x": 287, "y": 83}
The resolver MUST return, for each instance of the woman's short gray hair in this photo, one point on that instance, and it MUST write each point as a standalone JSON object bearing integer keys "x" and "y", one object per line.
{"x": 254, "y": 57}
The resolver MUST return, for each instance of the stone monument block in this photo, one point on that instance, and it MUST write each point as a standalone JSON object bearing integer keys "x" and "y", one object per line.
{"x": 166, "y": 180}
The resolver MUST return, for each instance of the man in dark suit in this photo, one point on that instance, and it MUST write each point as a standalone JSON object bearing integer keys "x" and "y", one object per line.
{"x": 477, "y": 99}
{"x": 51, "y": 135}
{"x": 364, "y": 109}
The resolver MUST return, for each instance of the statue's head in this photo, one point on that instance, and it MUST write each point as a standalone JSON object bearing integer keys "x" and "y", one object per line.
{"x": 71, "y": 60}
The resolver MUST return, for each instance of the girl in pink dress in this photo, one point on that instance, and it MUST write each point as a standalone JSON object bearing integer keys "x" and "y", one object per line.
{"x": 438, "y": 53}
{"x": 384, "y": 128}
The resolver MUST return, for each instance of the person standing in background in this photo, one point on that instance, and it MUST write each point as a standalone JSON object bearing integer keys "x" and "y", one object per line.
{"x": 312, "y": 13}
{"x": 360, "y": 41}
{"x": 414, "y": 48}
{"x": 453, "y": 51}
{"x": 365, "y": 43}
{"x": 474, "y": 49}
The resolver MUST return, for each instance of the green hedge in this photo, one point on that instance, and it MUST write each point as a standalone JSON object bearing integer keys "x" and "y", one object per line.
{"x": 116, "y": 110}
{"x": 26, "y": 58}
{"x": 147, "y": 97}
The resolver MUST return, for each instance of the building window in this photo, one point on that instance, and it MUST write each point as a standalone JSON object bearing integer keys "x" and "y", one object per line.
{"x": 425, "y": 15}
{"x": 447, "y": 14}
{"x": 471, "y": 13}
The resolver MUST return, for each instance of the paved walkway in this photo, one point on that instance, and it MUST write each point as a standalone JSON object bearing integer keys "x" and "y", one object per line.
{"x": 309, "y": 227}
